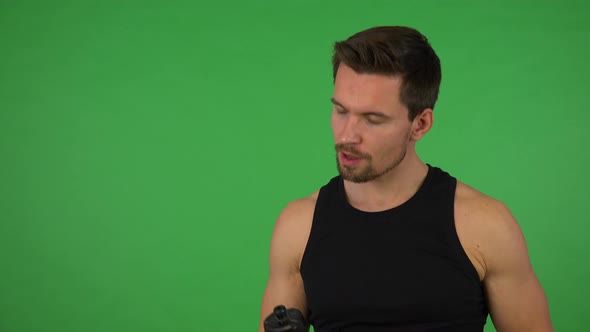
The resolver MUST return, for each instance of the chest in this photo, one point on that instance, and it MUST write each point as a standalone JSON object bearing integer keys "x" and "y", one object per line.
{"x": 370, "y": 271}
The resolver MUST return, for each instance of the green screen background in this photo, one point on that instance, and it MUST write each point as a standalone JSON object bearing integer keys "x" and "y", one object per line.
{"x": 148, "y": 147}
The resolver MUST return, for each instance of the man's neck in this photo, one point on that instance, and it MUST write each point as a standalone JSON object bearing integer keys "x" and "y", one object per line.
{"x": 390, "y": 190}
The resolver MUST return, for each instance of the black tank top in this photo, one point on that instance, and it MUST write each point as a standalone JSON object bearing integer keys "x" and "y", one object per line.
{"x": 401, "y": 270}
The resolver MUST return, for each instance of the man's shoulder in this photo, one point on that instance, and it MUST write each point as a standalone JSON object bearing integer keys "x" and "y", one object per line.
{"x": 487, "y": 222}
{"x": 479, "y": 205}
{"x": 303, "y": 207}
{"x": 296, "y": 216}
{"x": 299, "y": 209}
{"x": 292, "y": 229}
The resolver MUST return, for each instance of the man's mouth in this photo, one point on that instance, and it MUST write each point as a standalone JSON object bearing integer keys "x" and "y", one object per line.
{"x": 349, "y": 159}
{"x": 350, "y": 156}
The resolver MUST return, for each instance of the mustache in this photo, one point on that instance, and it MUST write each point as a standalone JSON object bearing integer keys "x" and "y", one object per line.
{"x": 351, "y": 150}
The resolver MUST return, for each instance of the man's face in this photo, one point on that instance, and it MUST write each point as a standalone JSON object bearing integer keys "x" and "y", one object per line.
{"x": 371, "y": 127}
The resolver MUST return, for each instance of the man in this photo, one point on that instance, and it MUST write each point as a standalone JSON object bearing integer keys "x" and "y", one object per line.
{"x": 392, "y": 243}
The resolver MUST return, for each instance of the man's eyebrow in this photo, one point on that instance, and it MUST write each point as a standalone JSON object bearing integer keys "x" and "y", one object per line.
{"x": 335, "y": 102}
{"x": 374, "y": 113}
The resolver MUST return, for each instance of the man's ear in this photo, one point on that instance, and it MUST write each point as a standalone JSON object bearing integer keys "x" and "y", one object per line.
{"x": 422, "y": 124}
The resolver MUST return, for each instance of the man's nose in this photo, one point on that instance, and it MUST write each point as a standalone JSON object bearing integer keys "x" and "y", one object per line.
{"x": 350, "y": 132}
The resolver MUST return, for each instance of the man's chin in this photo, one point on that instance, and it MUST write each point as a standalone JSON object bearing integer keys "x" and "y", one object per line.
{"x": 355, "y": 177}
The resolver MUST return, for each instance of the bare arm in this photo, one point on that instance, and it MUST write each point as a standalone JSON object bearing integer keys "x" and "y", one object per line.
{"x": 516, "y": 299}
{"x": 289, "y": 238}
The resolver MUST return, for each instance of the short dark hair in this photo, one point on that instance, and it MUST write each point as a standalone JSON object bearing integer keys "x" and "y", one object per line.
{"x": 395, "y": 50}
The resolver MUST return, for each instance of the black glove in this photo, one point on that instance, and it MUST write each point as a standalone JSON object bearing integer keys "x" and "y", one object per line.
{"x": 283, "y": 320}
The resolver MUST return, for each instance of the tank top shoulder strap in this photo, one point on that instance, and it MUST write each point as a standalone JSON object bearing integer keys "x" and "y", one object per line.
{"x": 326, "y": 202}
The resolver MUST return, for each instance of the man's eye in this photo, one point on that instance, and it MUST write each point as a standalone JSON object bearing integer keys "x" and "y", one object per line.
{"x": 374, "y": 119}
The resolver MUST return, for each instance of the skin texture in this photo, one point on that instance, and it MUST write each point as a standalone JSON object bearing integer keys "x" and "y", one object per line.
{"x": 371, "y": 127}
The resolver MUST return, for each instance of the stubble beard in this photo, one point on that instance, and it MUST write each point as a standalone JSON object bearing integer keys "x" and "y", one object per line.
{"x": 356, "y": 174}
